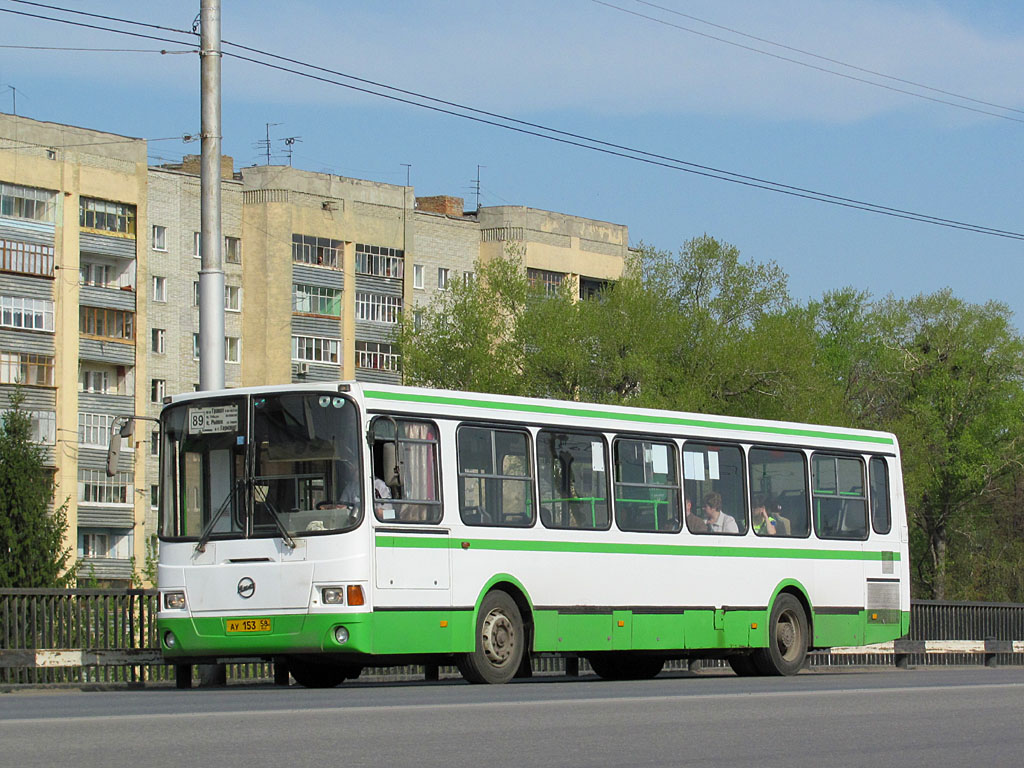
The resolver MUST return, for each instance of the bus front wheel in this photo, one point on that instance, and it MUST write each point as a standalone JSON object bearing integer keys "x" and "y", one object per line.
{"x": 500, "y": 642}
{"x": 787, "y": 639}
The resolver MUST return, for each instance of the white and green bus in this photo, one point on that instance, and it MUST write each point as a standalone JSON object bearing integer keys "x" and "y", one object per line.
{"x": 336, "y": 526}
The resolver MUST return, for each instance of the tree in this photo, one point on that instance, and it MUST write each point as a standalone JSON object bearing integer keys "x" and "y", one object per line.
{"x": 31, "y": 536}
{"x": 957, "y": 404}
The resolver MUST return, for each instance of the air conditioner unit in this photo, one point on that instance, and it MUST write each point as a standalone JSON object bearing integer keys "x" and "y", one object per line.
{"x": 302, "y": 369}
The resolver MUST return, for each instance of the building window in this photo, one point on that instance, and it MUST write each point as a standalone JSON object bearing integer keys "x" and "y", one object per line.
{"x": 159, "y": 339}
{"x": 159, "y": 288}
{"x": 94, "y": 487}
{"x": 316, "y": 300}
{"x": 20, "y": 202}
{"x": 380, "y": 261}
{"x": 154, "y": 496}
{"x": 467, "y": 278}
{"x": 417, "y": 275}
{"x": 26, "y": 258}
{"x": 26, "y": 314}
{"x": 195, "y": 293}
{"x": 195, "y": 346}
{"x": 115, "y": 324}
{"x": 321, "y": 251}
{"x": 106, "y": 216}
{"x": 96, "y": 381}
{"x": 95, "y": 274}
{"x": 232, "y": 349}
{"x": 94, "y": 430}
{"x": 378, "y": 308}
{"x": 43, "y": 426}
{"x": 232, "y": 250}
{"x": 197, "y": 245}
{"x": 550, "y": 281}
{"x": 377, "y": 356}
{"x": 26, "y": 368}
{"x": 232, "y": 298}
{"x": 443, "y": 274}
{"x": 154, "y": 443}
{"x": 157, "y": 390}
{"x": 95, "y": 545}
{"x": 159, "y": 238}
{"x": 314, "y": 349}
{"x": 417, "y": 320}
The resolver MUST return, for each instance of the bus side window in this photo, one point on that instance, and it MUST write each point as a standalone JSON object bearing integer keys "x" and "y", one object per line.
{"x": 714, "y": 473}
{"x": 405, "y": 471}
{"x": 840, "y": 500}
{"x": 881, "y": 519}
{"x": 573, "y": 480}
{"x": 495, "y": 477}
{"x": 646, "y": 486}
{"x": 778, "y": 478}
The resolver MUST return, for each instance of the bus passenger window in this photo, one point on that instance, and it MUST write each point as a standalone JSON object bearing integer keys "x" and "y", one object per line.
{"x": 713, "y": 488}
{"x": 573, "y": 480}
{"x": 495, "y": 477}
{"x": 646, "y": 486}
{"x": 405, "y": 487}
{"x": 778, "y": 480}
{"x": 881, "y": 520}
{"x": 840, "y": 502}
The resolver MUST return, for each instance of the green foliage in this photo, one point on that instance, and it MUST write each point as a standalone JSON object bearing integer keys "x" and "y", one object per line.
{"x": 702, "y": 330}
{"x": 31, "y": 536}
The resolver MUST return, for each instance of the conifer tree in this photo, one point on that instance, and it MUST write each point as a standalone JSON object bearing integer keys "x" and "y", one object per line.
{"x": 32, "y": 551}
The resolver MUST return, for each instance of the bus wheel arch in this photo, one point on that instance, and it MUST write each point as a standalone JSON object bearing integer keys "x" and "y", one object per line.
{"x": 501, "y": 638}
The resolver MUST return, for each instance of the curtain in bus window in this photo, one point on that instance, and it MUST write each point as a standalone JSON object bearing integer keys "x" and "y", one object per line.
{"x": 418, "y": 450}
{"x": 573, "y": 481}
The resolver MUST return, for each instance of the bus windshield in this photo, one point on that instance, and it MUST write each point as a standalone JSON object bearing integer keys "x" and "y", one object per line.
{"x": 263, "y": 466}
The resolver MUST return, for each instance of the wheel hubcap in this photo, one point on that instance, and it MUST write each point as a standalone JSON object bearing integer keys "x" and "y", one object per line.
{"x": 499, "y": 638}
{"x": 787, "y": 635}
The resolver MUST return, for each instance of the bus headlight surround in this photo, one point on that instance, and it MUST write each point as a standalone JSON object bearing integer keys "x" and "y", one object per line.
{"x": 174, "y": 601}
{"x": 341, "y": 635}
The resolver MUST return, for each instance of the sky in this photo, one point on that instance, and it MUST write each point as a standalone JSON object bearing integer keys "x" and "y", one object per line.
{"x": 676, "y": 78}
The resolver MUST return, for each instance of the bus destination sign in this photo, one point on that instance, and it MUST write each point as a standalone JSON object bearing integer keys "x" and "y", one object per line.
{"x": 213, "y": 419}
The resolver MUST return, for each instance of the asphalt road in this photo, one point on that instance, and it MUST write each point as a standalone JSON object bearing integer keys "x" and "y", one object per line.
{"x": 933, "y": 718}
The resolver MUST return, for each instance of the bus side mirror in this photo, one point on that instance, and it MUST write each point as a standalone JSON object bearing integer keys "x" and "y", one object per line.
{"x": 114, "y": 449}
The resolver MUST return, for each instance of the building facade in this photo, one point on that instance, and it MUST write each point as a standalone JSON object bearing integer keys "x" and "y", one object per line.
{"x": 99, "y": 270}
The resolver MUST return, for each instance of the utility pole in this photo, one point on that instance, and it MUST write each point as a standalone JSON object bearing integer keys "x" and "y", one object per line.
{"x": 211, "y": 273}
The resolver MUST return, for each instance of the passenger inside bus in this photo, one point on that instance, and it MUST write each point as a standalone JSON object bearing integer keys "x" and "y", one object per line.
{"x": 763, "y": 523}
{"x": 717, "y": 521}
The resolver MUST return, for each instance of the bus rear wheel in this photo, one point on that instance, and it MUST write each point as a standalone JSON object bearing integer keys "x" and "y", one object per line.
{"x": 313, "y": 674}
{"x": 625, "y": 666}
{"x": 787, "y": 639}
{"x": 500, "y": 642}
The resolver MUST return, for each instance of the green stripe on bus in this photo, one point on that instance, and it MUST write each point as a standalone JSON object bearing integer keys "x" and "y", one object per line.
{"x": 639, "y": 417}
{"x": 674, "y": 550}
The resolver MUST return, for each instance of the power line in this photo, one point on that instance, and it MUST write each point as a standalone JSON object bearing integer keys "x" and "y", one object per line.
{"x": 96, "y": 50}
{"x": 830, "y": 60}
{"x": 563, "y": 137}
{"x": 808, "y": 65}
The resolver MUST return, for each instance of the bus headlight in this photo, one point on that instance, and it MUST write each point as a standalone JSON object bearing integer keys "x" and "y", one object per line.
{"x": 333, "y": 595}
{"x": 341, "y": 635}
{"x": 174, "y": 601}
{"x": 170, "y": 640}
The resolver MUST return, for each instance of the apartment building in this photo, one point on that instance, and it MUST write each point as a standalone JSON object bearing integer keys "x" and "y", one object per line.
{"x": 71, "y": 257}
{"x": 99, "y": 271}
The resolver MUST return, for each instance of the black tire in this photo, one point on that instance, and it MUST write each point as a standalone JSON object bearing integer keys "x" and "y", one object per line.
{"x": 788, "y": 639}
{"x": 625, "y": 666}
{"x": 312, "y": 674}
{"x": 743, "y": 665}
{"x": 500, "y": 642}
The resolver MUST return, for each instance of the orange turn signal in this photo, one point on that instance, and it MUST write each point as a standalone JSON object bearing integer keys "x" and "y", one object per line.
{"x": 355, "y": 595}
{"x": 444, "y": 623}
{"x": 753, "y": 625}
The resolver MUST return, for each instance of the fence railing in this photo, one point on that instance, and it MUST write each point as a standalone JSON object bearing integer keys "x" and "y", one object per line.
{"x": 110, "y": 636}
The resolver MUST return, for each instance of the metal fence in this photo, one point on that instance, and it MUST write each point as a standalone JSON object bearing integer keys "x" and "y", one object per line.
{"x": 102, "y": 622}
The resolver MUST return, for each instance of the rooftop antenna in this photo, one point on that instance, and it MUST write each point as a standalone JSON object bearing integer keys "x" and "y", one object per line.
{"x": 14, "y": 99}
{"x": 408, "y": 168}
{"x": 264, "y": 144}
{"x": 476, "y": 184}
{"x": 288, "y": 144}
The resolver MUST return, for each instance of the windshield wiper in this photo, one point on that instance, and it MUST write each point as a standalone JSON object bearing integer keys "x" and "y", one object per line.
{"x": 275, "y": 515}
{"x": 208, "y": 530}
